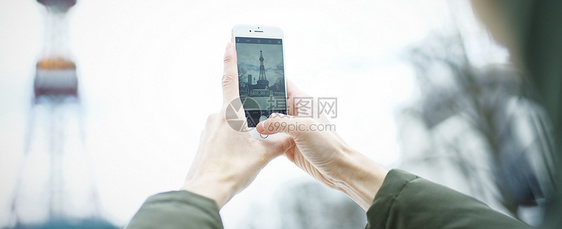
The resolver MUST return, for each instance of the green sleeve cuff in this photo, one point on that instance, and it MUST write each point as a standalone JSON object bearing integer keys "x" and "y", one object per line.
{"x": 177, "y": 209}
{"x": 394, "y": 182}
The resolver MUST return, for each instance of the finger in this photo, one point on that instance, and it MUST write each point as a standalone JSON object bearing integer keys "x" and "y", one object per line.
{"x": 293, "y": 90}
{"x": 294, "y": 94}
{"x": 280, "y": 123}
{"x": 290, "y": 154}
{"x": 230, "y": 75}
{"x": 279, "y": 146}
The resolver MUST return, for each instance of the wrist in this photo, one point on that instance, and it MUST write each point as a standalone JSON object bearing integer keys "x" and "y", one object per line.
{"x": 360, "y": 177}
{"x": 219, "y": 192}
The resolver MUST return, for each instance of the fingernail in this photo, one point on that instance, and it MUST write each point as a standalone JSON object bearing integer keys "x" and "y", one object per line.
{"x": 261, "y": 126}
{"x": 275, "y": 115}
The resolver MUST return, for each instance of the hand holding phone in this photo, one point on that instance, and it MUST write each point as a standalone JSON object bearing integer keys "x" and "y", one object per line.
{"x": 227, "y": 159}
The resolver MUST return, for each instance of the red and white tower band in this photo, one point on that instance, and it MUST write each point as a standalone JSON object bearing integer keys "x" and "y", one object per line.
{"x": 55, "y": 77}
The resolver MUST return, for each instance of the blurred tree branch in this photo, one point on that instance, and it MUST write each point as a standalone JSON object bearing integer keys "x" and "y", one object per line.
{"x": 491, "y": 104}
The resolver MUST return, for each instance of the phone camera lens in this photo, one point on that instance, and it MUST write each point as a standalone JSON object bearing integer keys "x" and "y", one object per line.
{"x": 250, "y": 30}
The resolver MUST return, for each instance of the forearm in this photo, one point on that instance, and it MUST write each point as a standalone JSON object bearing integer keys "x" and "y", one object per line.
{"x": 220, "y": 192}
{"x": 360, "y": 178}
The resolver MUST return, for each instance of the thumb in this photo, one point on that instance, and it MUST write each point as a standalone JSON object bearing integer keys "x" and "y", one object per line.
{"x": 281, "y": 123}
{"x": 230, "y": 75}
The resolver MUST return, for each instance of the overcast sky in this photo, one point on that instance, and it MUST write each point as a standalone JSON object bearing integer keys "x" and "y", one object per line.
{"x": 249, "y": 55}
{"x": 150, "y": 71}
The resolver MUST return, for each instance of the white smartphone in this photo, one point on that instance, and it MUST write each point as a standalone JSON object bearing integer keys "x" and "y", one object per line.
{"x": 261, "y": 71}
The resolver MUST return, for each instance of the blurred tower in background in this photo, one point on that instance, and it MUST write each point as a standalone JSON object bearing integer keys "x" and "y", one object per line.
{"x": 56, "y": 71}
{"x": 55, "y": 184}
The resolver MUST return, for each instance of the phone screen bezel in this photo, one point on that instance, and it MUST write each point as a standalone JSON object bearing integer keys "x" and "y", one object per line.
{"x": 268, "y": 32}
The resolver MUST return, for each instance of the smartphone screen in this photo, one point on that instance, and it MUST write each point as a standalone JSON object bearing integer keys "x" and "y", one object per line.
{"x": 261, "y": 76}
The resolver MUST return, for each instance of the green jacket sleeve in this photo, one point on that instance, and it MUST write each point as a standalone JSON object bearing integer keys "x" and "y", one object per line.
{"x": 407, "y": 201}
{"x": 177, "y": 209}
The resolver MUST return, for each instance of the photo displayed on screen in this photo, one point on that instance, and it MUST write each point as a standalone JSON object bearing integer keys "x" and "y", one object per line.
{"x": 262, "y": 77}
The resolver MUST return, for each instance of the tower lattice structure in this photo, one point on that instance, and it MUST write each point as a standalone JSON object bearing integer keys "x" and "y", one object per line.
{"x": 55, "y": 186}
{"x": 262, "y": 83}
